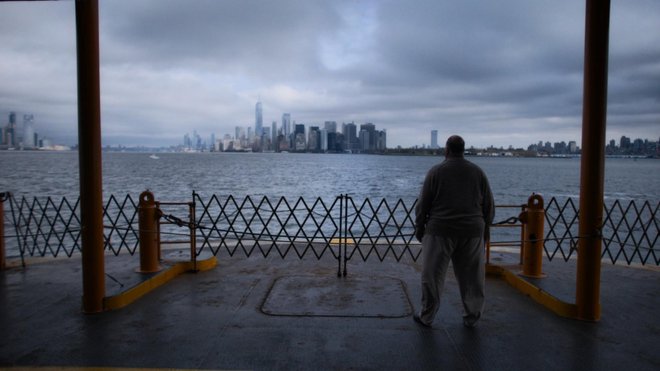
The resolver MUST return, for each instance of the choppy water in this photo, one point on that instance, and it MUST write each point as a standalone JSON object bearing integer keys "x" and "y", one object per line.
{"x": 173, "y": 176}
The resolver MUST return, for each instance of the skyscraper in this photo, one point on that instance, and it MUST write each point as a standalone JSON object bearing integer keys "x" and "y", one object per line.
{"x": 350, "y": 136}
{"x": 299, "y": 138}
{"x": 331, "y": 126}
{"x": 28, "y": 131}
{"x": 625, "y": 142}
{"x": 10, "y": 133}
{"x": 364, "y": 140}
{"x": 381, "y": 140}
{"x": 434, "y": 139}
{"x": 314, "y": 139}
{"x": 259, "y": 120}
{"x": 286, "y": 124}
{"x": 273, "y": 132}
{"x": 368, "y": 141}
{"x": 300, "y": 129}
{"x": 324, "y": 140}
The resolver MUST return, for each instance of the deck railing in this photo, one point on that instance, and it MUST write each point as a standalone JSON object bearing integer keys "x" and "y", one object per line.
{"x": 341, "y": 227}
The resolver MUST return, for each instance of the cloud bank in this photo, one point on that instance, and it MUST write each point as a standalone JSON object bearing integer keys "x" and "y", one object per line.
{"x": 501, "y": 73}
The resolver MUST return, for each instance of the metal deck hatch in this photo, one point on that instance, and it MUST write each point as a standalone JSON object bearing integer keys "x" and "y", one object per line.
{"x": 310, "y": 296}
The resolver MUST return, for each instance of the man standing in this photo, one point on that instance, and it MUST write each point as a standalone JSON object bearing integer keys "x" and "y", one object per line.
{"x": 453, "y": 212}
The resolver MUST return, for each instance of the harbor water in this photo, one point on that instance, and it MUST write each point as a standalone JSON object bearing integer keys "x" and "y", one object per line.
{"x": 174, "y": 176}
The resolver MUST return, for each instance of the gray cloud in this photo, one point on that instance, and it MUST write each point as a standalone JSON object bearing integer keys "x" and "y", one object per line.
{"x": 259, "y": 38}
{"x": 507, "y": 72}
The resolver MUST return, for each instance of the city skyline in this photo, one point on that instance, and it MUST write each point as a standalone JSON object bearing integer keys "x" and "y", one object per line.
{"x": 14, "y": 131}
{"x": 294, "y": 137}
{"x": 21, "y": 134}
{"x": 497, "y": 74}
{"x": 625, "y": 146}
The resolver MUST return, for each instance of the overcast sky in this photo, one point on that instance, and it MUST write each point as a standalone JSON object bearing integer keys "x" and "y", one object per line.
{"x": 497, "y": 72}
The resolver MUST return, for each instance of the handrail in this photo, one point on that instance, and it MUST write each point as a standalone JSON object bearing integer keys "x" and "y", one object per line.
{"x": 366, "y": 228}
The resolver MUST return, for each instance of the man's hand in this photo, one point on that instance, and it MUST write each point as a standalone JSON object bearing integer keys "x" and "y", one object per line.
{"x": 419, "y": 233}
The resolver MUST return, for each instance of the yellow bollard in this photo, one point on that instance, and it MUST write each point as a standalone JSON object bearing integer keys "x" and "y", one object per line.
{"x": 533, "y": 219}
{"x": 148, "y": 216}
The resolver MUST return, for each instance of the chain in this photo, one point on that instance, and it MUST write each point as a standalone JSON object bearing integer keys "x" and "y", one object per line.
{"x": 176, "y": 220}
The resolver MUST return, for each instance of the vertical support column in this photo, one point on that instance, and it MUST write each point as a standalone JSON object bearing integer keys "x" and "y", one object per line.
{"x": 3, "y": 197}
{"x": 523, "y": 233}
{"x": 594, "y": 113}
{"x": 89, "y": 154}
{"x": 192, "y": 226}
{"x": 347, "y": 198}
{"x": 160, "y": 214}
{"x": 341, "y": 231}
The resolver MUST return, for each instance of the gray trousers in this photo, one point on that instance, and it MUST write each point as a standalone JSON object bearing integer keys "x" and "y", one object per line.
{"x": 467, "y": 257}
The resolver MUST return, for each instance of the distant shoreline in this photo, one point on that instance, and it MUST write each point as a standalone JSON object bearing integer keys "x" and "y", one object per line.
{"x": 405, "y": 153}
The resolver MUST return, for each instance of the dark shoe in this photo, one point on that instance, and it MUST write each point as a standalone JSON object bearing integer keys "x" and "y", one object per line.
{"x": 470, "y": 321}
{"x": 420, "y": 322}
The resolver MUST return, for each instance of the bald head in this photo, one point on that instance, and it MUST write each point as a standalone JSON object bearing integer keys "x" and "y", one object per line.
{"x": 455, "y": 146}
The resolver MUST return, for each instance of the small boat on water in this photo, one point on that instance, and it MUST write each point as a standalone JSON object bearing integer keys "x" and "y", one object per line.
{"x": 154, "y": 157}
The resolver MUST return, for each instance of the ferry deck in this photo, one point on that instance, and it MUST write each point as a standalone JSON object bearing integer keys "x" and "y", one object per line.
{"x": 262, "y": 314}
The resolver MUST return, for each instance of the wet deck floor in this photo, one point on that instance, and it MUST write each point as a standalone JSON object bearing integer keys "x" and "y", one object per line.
{"x": 263, "y": 314}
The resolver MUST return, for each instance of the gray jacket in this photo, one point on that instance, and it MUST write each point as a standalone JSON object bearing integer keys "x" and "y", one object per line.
{"x": 455, "y": 201}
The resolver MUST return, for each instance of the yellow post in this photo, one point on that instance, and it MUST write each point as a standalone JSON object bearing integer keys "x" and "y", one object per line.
{"x": 594, "y": 113}
{"x": 148, "y": 222}
{"x": 533, "y": 218}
